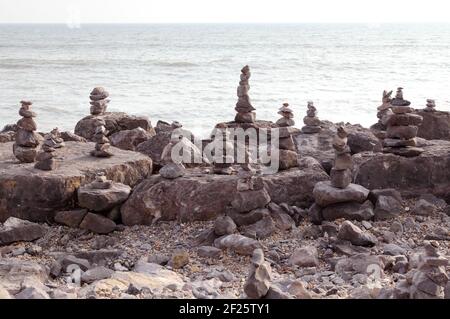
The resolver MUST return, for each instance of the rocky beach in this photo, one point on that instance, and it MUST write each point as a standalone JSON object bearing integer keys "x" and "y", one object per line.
{"x": 132, "y": 207}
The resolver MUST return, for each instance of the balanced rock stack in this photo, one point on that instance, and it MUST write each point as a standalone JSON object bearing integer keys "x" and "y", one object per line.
{"x": 287, "y": 116}
{"x": 260, "y": 277}
{"x": 287, "y": 153}
{"x": 102, "y": 144}
{"x": 45, "y": 159}
{"x": 173, "y": 167}
{"x": 428, "y": 280}
{"x": 27, "y": 140}
{"x": 384, "y": 110}
{"x": 311, "y": 121}
{"x": 402, "y": 128}
{"x": 99, "y": 101}
{"x": 223, "y": 157}
{"x": 339, "y": 198}
{"x": 244, "y": 107}
{"x": 431, "y": 106}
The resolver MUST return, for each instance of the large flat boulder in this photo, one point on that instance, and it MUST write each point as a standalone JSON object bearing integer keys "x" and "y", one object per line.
{"x": 198, "y": 196}
{"x": 413, "y": 176}
{"x": 435, "y": 125}
{"x": 115, "y": 122}
{"x": 32, "y": 194}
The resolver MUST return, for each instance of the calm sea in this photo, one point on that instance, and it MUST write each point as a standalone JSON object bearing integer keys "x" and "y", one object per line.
{"x": 190, "y": 73}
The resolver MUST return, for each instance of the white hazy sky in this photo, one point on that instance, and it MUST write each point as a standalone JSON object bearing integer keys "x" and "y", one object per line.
{"x": 233, "y": 11}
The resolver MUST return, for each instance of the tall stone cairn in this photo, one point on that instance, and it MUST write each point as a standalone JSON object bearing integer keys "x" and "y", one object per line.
{"x": 341, "y": 175}
{"x": 431, "y": 106}
{"x": 384, "y": 110}
{"x": 102, "y": 144}
{"x": 311, "y": 121}
{"x": 244, "y": 107}
{"x": 99, "y": 101}
{"x": 45, "y": 159}
{"x": 27, "y": 140}
{"x": 287, "y": 116}
{"x": 402, "y": 128}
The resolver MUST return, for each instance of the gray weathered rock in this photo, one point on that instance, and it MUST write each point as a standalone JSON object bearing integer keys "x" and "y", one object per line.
{"x": 209, "y": 252}
{"x": 102, "y": 199}
{"x": 350, "y": 232}
{"x": 98, "y": 224}
{"x": 72, "y": 260}
{"x": 71, "y": 218}
{"x": 387, "y": 207}
{"x": 349, "y": 211}
{"x": 224, "y": 225}
{"x": 263, "y": 228}
{"x": 305, "y": 257}
{"x": 325, "y": 194}
{"x": 14, "y": 230}
{"x": 260, "y": 277}
{"x": 130, "y": 139}
{"x": 238, "y": 243}
{"x": 97, "y": 273}
{"x": 424, "y": 208}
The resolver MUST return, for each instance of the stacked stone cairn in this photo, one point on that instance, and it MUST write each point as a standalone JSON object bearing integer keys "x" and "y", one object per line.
{"x": 287, "y": 154}
{"x": 384, "y": 110}
{"x": 287, "y": 116}
{"x": 223, "y": 157}
{"x": 173, "y": 168}
{"x": 339, "y": 198}
{"x": 99, "y": 101}
{"x": 431, "y": 106}
{"x": 402, "y": 128}
{"x": 102, "y": 144}
{"x": 27, "y": 140}
{"x": 244, "y": 107}
{"x": 260, "y": 277}
{"x": 428, "y": 280}
{"x": 311, "y": 121}
{"x": 45, "y": 159}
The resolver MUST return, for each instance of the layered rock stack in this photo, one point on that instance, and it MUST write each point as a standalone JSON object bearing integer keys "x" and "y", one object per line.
{"x": 260, "y": 277}
{"x": 45, "y": 159}
{"x": 402, "y": 128}
{"x": 288, "y": 157}
{"x": 431, "y": 106}
{"x": 173, "y": 167}
{"x": 311, "y": 121}
{"x": 384, "y": 110}
{"x": 27, "y": 140}
{"x": 244, "y": 107}
{"x": 99, "y": 101}
{"x": 428, "y": 280}
{"x": 287, "y": 116}
{"x": 339, "y": 198}
{"x": 102, "y": 144}
{"x": 223, "y": 157}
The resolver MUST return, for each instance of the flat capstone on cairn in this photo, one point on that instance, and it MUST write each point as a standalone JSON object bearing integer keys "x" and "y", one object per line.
{"x": 223, "y": 157}
{"x": 431, "y": 106}
{"x": 402, "y": 128}
{"x": 102, "y": 143}
{"x": 45, "y": 159}
{"x": 99, "y": 101}
{"x": 173, "y": 168}
{"x": 340, "y": 198}
{"x": 311, "y": 121}
{"x": 286, "y": 147}
{"x": 244, "y": 107}
{"x": 27, "y": 139}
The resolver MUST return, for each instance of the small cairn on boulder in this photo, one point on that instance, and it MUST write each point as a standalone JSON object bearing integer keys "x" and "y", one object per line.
{"x": 288, "y": 157}
{"x": 431, "y": 106}
{"x": 339, "y": 198}
{"x": 99, "y": 101}
{"x": 402, "y": 128}
{"x": 287, "y": 116}
{"x": 45, "y": 159}
{"x": 259, "y": 280}
{"x": 102, "y": 144}
{"x": 172, "y": 168}
{"x": 244, "y": 107}
{"x": 428, "y": 280}
{"x": 311, "y": 121}
{"x": 27, "y": 140}
{"x": 223, "y": 157}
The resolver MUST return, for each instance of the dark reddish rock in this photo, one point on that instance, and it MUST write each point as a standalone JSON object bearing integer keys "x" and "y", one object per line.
{"x": 71, "y": 218}
{"x": 435, "y": 125}
{"x": 31, "y": 194}
{"x": 250, "y": 200}
{"x": 224, "y": 225}
{"x": 375, "y": 193}
{"x": 130, "y": 139}
{"x": 98, "y": 224}
{"x": 387, "y": 207}
{"x": 115, "y": 122}
{"x": 14, "y": 230}
{"x": 248, "y": 218}
{"x": 427, "y": 173}
{"x": 349, "y": 232}
{"x": 263, "y": 228}
{"x": 349, "y": 211}
{"x": 206, "y": 196}
{"x": 325, "y": 194}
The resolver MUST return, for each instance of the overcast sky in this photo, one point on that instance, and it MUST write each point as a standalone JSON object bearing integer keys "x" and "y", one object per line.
{"x": 234, "y": 11}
